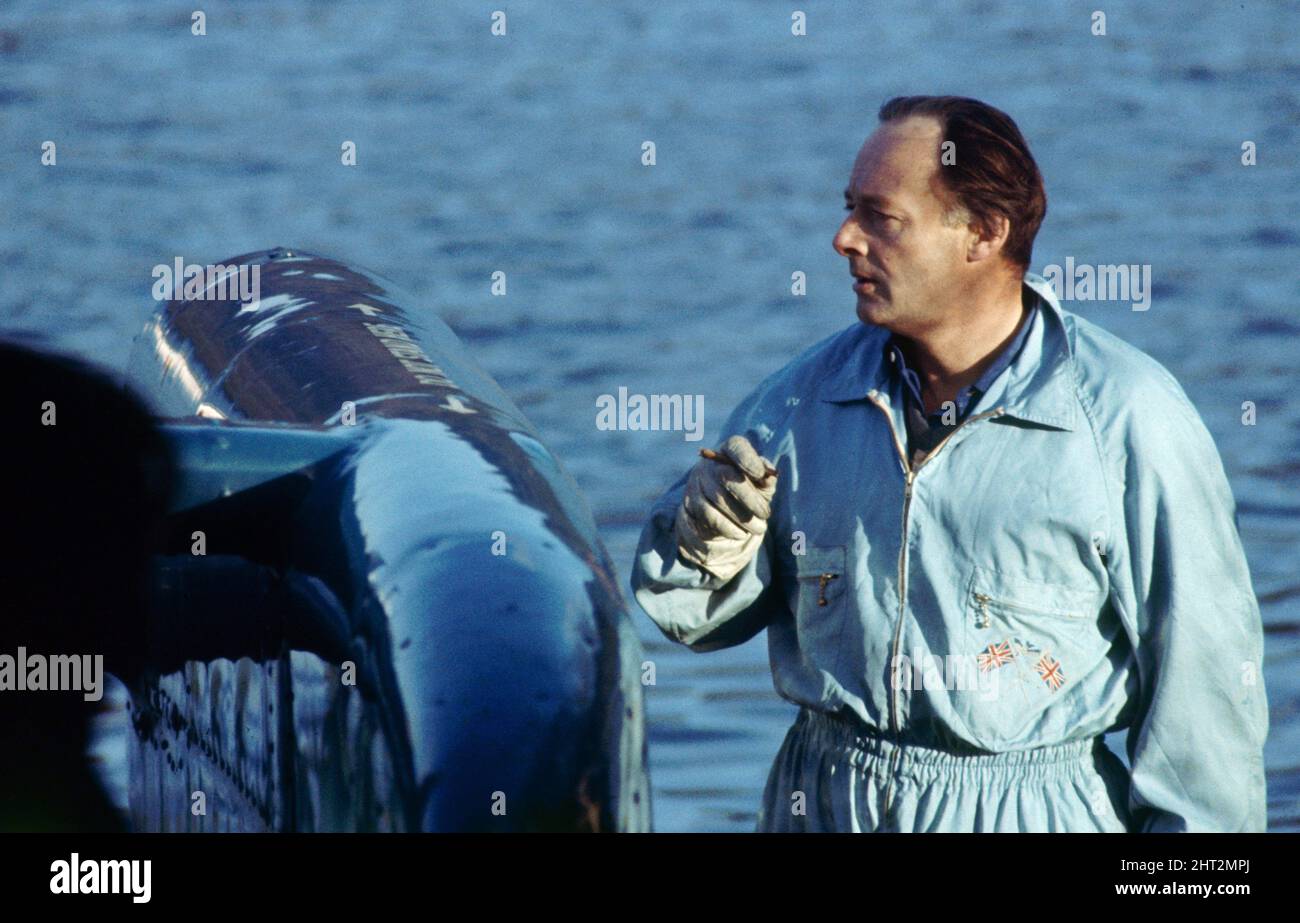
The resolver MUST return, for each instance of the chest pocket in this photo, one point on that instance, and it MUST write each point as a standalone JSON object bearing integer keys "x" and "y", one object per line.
{"x": 817, "y": 590}
{"x": 1028, "y": 640}
{"x": 996, "y": 601}
{"x": 820, "y": 575}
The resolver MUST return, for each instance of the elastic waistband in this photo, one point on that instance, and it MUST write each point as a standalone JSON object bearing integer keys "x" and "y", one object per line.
{"x": 866, "y": 749}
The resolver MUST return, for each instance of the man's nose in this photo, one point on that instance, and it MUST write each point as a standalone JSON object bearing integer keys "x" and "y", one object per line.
{"x": 849, "y": 239}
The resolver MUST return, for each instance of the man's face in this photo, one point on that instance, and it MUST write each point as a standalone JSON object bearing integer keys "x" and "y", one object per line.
{"x": 908, "y": 265}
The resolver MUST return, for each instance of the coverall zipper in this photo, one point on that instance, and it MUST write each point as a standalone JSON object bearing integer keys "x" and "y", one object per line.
{"x": 910, "y": 474}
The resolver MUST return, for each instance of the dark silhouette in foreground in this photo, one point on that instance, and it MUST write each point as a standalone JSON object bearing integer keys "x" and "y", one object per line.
{"x": 88, "y": 477}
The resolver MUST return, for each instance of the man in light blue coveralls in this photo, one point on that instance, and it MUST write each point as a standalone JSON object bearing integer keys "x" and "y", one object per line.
{"x": 994, "y": 533}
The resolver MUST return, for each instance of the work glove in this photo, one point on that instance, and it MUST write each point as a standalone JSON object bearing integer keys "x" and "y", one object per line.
{"x": 725, "y": 509}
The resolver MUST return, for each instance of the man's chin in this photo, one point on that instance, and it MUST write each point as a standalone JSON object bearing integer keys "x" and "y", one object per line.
{"x": 872, "y": 310}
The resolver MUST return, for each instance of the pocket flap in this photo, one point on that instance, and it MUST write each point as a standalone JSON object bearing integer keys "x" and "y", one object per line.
{"x": 820, "y": 559}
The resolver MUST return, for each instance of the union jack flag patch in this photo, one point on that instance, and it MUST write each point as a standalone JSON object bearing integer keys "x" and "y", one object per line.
{"x": 994, "y": 656}
{"x": 1050, "y": 671}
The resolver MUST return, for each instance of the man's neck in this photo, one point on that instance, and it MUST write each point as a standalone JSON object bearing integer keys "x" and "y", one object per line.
{"x": 949, "y": 358}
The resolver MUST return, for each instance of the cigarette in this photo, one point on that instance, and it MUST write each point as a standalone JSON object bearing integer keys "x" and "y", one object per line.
{"x": 768, "y": 470}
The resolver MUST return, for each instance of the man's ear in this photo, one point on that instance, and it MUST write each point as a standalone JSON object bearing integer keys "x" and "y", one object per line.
{"x": 987, "y": 241}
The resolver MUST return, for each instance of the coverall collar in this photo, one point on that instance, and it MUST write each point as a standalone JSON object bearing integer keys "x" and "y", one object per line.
{"x": 1038, "y": 386}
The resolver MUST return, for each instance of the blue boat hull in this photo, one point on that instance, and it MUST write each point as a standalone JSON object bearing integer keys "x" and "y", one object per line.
{"x": 469, "y": 664}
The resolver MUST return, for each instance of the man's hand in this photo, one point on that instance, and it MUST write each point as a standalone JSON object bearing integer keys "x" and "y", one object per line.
{"x": 725, "y": 509}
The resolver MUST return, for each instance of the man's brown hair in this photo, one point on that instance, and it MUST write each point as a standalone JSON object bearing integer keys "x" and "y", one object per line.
{"x": 994, "y": 173}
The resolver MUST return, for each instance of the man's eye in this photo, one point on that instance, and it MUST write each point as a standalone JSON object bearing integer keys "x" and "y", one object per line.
{"x": 874, "y": 212}
{"x": 877, "y": 216}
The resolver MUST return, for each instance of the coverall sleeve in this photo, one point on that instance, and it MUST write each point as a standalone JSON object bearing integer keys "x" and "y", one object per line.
{"x": 1196, "y": 741}
{"x": 690, "y": 605}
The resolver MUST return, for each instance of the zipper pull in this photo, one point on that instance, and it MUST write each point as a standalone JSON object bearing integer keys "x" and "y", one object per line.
{"x": 983, "y": 600}
{"x": 821, "y": 587}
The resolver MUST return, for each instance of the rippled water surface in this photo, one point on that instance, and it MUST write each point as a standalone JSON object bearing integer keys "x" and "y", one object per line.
{"x": 522, "y": 154}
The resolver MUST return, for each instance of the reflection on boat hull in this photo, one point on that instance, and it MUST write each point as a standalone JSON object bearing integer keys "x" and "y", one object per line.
{"x": 468, "y": 663}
